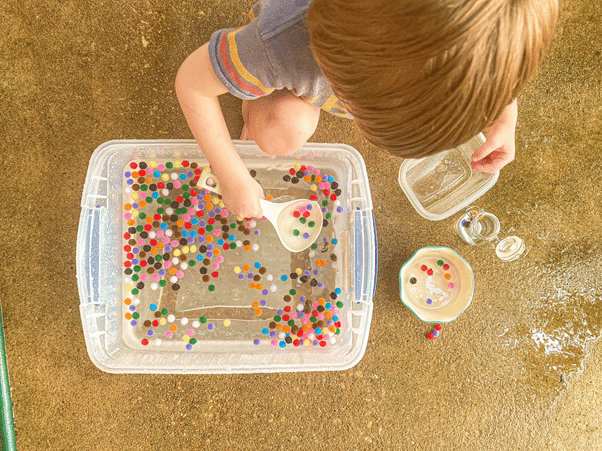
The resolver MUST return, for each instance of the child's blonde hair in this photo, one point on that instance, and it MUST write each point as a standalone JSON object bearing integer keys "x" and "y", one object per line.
{"x": 422, "y": 76}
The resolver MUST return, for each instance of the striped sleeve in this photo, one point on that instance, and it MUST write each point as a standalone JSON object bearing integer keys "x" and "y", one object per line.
{"x": 240, "y": 61}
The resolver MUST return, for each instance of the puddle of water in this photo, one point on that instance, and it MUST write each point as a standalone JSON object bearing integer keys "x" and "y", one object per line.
{"x": 552, "y": 337}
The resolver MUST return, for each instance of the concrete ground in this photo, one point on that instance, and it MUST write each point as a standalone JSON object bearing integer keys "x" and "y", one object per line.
{"x": 519, "y": 370}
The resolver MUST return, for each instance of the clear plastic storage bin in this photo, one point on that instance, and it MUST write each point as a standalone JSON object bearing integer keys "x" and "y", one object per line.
{"x": 170, "y": 282}
{"x": 440, "y": 185}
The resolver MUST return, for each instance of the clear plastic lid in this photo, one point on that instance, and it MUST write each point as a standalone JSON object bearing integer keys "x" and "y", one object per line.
{"x": 442, "y": 184}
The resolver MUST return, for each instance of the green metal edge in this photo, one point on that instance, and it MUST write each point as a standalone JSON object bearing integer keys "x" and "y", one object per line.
{"x": 8, "y": 426}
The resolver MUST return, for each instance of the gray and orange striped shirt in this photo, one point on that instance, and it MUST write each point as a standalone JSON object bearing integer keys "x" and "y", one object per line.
{"x": 271, "y": 52}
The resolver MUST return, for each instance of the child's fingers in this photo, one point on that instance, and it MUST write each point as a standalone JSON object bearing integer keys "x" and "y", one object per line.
{"x": 486, "y": 166}
{"x": 484, "y": 150}
{"x": 492, "y": 162}
{"x": 482, "y": 158}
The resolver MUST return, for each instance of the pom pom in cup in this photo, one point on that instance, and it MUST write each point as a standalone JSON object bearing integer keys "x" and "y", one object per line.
{"x": 298, "y": 223}
{"x": 436, "y": 284}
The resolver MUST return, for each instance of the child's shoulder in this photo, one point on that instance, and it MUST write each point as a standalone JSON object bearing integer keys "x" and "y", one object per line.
{"x": 276, "y": 16}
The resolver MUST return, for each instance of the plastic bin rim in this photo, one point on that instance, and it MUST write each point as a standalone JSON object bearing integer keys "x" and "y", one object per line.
{"x": 239, "y": 142}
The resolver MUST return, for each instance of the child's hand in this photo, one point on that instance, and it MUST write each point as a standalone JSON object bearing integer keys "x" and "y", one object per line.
{"x": 496, "y": 153}
{"x": 241, "y": 196}
{"x": 499, "y": 148}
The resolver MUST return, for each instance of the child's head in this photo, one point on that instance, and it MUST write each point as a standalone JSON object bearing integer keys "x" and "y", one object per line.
{"x": 422, "y": 76}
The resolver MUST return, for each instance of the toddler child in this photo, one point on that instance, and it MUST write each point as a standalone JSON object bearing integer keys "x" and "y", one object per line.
{"x": 416, "y": 76}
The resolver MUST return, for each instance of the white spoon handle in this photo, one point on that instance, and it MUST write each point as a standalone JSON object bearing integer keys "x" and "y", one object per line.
{"x": 209, "y": 181}
{"x": 271, "y": 211}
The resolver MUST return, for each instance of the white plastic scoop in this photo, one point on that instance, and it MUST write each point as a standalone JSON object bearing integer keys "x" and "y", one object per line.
{"x": 298, "y": 223}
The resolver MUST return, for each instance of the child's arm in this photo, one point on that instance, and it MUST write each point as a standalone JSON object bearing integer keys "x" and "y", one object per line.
{"x": 499, "y": 148}
{"x": 197, "y": 88}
